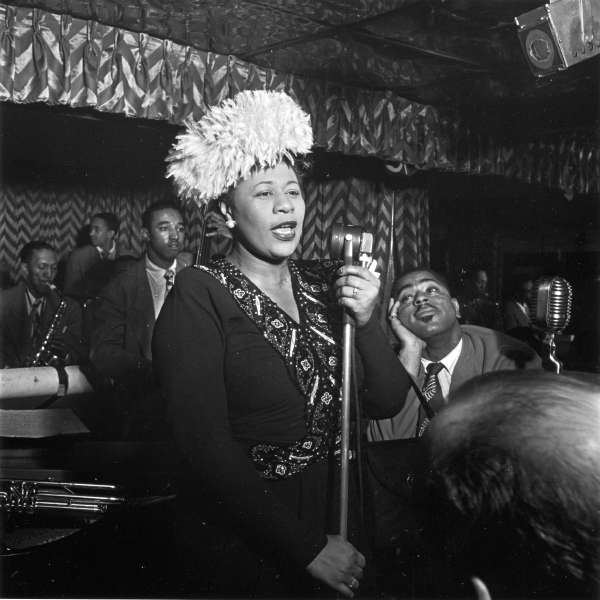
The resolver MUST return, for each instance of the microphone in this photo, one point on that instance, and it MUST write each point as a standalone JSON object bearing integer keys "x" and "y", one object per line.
{"x": 550, "y": 309}
{"x": 551, "y": 303}
{"x": 360, "y": 243}
{"x": 353, "y": 244}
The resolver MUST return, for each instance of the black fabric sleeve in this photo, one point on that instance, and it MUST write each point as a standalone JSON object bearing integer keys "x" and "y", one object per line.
{"x": 189, "y": 346}
{"x": 71, "y": 334}
{"x": 108, "y": 351}
{"x": 74, "y": 273}
{"x": 385, "y": 382}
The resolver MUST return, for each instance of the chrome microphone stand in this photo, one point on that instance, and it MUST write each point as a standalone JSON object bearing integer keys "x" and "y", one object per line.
{"x": 365, "y": 247}
{"x": 347, "y": 343}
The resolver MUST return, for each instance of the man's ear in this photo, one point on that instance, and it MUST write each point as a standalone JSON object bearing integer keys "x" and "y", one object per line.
{"x": 456, "y": 307}
{"x": 145, "y": 234}
{"x": 480, "y": 589}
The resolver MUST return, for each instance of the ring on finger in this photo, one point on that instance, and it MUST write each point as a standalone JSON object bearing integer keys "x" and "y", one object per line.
{"x": 353, "y": 585}
{"x": 355, "y": 292}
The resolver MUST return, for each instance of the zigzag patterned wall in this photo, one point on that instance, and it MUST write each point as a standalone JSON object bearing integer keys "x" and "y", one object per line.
{"x": 370, "y": 205}
{"x": 57, "y": 215}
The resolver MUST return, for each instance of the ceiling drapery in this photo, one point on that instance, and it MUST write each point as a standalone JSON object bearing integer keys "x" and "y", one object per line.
{"x": 60, "y": 59}
{"x": 566, "y": 161}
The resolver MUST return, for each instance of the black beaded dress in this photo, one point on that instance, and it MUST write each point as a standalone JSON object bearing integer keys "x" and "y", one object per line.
{"x": 253, "y": 400}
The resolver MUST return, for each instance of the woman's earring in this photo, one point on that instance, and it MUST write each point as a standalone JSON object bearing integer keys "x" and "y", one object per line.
{"x": 230, "y": 223}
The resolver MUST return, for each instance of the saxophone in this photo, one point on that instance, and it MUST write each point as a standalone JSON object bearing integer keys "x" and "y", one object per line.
{"x": 49, "y": 354}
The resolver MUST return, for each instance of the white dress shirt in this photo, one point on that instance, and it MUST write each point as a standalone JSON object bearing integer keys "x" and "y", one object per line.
{"x": 445, "y": 375}
{"x": 108, "y": 255}
{"x": 158, "y": 283}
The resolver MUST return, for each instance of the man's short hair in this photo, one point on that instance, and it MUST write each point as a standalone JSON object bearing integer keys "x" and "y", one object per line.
{"x": 513, "y": 489}
{"x": 110, "y": 219}
{"x": 28, "y": 249}
{"x": 158, "y": 206}
{"x": 438, "y": 276}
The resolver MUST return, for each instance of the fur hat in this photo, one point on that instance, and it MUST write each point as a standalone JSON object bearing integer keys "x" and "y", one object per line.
{"x": 255, "y": 129}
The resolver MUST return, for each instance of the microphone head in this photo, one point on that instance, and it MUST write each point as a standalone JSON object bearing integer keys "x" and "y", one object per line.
{"x": 551, "y": 303}
{"x": 362, "y": 241}
{"x": 336, "y": 240}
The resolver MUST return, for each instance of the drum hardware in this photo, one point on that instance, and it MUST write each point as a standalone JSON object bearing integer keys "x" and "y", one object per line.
{"x": 18, "y": 496}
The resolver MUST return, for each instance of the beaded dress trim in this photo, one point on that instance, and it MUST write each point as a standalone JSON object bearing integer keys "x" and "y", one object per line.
{"x": 310, "y": 351}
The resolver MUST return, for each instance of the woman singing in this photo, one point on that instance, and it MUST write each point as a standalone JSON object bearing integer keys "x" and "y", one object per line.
{"x": 248, "y": 348}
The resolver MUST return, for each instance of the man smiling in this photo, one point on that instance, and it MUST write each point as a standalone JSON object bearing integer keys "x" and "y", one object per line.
{"x": 438, "y": 351}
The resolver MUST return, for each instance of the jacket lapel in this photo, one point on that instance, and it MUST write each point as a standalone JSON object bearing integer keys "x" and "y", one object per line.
{"x": 466, "y": 366}
{"x": 144, "y": 306}
{"x": 50, "y": 306}
{"x": 144, "y": 309}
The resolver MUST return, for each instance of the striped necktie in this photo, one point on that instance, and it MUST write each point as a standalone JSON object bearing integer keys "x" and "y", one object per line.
{"x": 169, "y": 280}
{"x": 433, "y": 394}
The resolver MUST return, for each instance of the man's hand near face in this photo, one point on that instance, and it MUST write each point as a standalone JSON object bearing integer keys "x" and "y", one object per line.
{"x": 411, "y": 346}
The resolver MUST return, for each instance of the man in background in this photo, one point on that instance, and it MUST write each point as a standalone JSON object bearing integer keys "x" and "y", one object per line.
{"x": 125, "y": 316}
{"x": 30, "y": 308}
{"x": 90, "y": 267}
{"x": 438, "y": 352}
{"x": 512, "y": 493}
{"x": 477, "y": 306}
{"x": 517, "y": 320}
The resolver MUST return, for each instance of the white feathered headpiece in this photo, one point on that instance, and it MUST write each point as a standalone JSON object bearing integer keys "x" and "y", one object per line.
{"x": 254, "y": 129}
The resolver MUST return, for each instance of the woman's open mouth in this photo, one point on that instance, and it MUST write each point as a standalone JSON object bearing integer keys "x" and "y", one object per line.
{"x": 285, "y": 231}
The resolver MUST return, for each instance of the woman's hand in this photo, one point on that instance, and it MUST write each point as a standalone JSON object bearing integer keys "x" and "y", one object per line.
{"x": 357, "y": 290}
{"x": 411, "y": 346}
{"x": 340, "y": 565}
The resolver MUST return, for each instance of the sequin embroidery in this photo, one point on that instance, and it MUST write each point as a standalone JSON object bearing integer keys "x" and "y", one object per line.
{"x": 310, "y": 352}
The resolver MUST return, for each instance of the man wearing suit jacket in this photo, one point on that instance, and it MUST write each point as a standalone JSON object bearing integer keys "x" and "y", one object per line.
{"x": 90, "y": 267}
{"x": 424, "y": 317}
{"x": 27, "y": 311}
{"x": 127, "y": 310}
{"x": 517, "y": 321}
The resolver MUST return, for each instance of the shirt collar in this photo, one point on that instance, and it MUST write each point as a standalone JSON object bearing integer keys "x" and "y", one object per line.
{"x": 111, "y": 254}
{"x": 31, "y": 300}
{"x": 449, "y": 361}
{"x": 154, "y": 269}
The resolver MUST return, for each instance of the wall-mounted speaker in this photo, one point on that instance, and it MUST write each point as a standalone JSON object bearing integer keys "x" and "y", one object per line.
{"x": 559, "y": 34}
